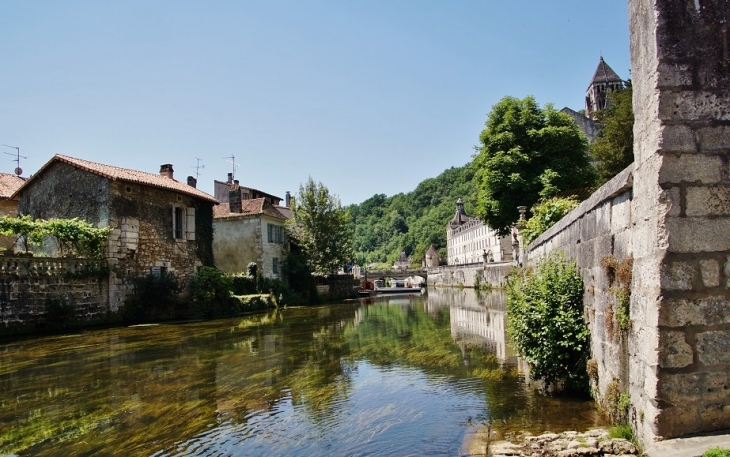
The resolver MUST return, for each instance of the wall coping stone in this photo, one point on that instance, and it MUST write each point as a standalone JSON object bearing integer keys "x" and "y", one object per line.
{"x": 613, "y": 188}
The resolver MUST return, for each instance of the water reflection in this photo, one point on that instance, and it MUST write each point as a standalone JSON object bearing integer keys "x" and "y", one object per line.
{"x": 397, "y": 375}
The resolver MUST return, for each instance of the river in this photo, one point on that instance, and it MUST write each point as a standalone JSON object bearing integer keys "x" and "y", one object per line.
{"x": 387, "y": 376}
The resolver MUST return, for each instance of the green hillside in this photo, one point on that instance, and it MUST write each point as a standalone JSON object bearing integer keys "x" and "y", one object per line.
{"x": 385, "y": 226}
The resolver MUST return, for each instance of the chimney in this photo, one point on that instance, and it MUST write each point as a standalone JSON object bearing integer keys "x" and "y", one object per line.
{"x": 230, "y": 178}
{"x": 234, "y": 199}
{"x": 166, "y": 170}
{"x": 287, "y": 199}
{"x": 235, "y": 181}
{"x": 192, "y": 182}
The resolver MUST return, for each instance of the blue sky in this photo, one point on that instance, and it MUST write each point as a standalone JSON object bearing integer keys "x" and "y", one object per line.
{"x": 365, "y": 96}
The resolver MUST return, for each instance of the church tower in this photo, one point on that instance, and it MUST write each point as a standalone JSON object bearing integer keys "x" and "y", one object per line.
{"x": 604, "y": 80}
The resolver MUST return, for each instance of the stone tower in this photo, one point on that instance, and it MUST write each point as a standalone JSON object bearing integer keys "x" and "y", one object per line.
{"x": 604, "y": 80}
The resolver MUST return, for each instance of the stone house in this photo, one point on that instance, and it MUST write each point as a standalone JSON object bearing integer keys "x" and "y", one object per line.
{"x": 249, "y": 230}
{"x": 158, "y": 223}
{"x": 9, "y": 184}
{"x": 468, "y": 240}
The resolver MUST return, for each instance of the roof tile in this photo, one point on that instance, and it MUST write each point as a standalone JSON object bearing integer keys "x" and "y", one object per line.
{"x": 9, "y": 184}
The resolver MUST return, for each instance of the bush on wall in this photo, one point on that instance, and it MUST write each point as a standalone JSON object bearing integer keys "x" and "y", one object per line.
{"x": 545, "y": 322}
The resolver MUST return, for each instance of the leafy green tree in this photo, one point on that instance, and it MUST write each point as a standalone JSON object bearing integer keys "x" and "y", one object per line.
{"x": 322, "y": 228}
{"x": 545, "y": 214}
{"x": 526, "y": 153}
{"x": 613, "y": 150}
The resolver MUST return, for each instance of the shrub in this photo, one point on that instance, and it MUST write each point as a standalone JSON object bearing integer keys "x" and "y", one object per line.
{"x": 210, "y": 284}
{"x": 155, "y": 296}
{"x": 545, "y": 322}
{"x": 717, "y": 452}
{"x": 59, "y": 311}
{"x": 253, "y": 302}
{"x": 545, "y": 214}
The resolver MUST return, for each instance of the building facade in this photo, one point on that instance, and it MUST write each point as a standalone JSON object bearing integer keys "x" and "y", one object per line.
{"x": 604, "y": 81}
{"x": 249, "y": 230}
{"x": 468, "y": 240}
{"x": 158, "y": 224}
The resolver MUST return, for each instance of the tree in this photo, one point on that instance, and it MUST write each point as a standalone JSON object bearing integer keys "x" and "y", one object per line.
{"x": 322, "y": 228}
{"x": 527, "y": 153}
{"x": 613, "y": 150}
{"x": 545, "y": 214}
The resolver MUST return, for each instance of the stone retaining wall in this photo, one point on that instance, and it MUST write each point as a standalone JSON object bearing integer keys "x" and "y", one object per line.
{"x": 469, "y": 275}
{"x": 28, "y": 284}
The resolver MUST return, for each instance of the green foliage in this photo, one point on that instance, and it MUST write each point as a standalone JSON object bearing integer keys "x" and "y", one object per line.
{"x": 321, "y": 227}
{"x": 616, "y": 403}
{"x": 253, "y": 302}
{"x": 717, "y": 452}
{"x": 526, "y": 153}
{"x": 73, "y": 236}
{"x": 623, "y": 431}
{"x": 210, "y": 285}
{"x": 613, "y": 150}
{"x": 545, "y": 322}
{"x": 155, "y": 297}
{"x": 412, "y": 222}
{"x": 545, "y": 214}
{"x": 59, "y": 311}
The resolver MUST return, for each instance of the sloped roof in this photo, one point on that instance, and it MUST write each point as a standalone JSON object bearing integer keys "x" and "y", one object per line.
{"x": 124, "y": 174}
{"x": 253, "y": 207}
{"x": 261, "y": 192}
{"x": 604, "y": 73}
{"x": 9, "y": 184}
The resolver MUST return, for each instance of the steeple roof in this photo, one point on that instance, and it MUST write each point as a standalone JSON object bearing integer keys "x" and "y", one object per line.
{"x": 604, "y": 74}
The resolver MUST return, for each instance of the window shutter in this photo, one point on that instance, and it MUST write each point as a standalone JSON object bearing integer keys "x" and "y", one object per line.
{"x": 190, "y": 224}
{"x": 172, "y": 226}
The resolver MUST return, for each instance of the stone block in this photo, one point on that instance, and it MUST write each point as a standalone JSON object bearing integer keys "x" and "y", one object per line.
{"x": 672, "y": 75}
{"x": 713, "y": 347}
{"x": 698, "y": 234}
{"x": 710, "y": 272}
{"x": 678, "y": 139}
{"x": 678, "y": 420}
{"x": 715, "y": 416}
{"x": 674, "y": 352}
{"x": 673, "y": 199}
{"x": 708, "y": 201}
{"x": 691, "y": 168}
{"x": 682, "y": 388}
{"x": 678, "y": 276}
{"x": 694, "y": 106}
{"x": 621, "y": 213}
{"x": 714, "y": 139}
{"x": 682, "y": 312}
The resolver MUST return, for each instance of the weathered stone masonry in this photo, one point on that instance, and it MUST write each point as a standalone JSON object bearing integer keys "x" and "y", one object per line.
{"x": 677, "y": 368}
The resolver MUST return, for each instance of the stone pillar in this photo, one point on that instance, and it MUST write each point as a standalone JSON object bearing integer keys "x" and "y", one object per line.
{"x": 679, "y": 343}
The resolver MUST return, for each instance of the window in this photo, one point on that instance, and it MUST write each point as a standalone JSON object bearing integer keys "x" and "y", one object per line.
{"x": 183, "y": 223}
{"x": 275, "y": 265}
{"x": 275, "y": 233}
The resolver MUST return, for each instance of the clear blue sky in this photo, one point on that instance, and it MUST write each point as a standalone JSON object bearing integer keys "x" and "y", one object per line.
{"x": 365, "y": 96}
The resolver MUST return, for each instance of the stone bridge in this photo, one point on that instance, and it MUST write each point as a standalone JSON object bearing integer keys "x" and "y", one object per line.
{"x": 395, "y": 274}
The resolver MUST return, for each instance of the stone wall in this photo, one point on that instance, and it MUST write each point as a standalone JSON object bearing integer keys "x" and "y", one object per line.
{"x": 494, "y": 274}
{"x": 679, "y": 303}
{"x": 600, "y": 227}
{"x": 242, "y": 240}
{"x": 27, "y": 285}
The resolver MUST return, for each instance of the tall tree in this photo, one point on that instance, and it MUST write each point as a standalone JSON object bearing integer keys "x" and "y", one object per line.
{"x": 321, "y": 227}
{"x": 527, "y": 153}
{"x": 613, "y": 150}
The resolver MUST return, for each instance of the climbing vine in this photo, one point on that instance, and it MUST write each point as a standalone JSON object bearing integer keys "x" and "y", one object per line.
{"x": 73, "y": 236}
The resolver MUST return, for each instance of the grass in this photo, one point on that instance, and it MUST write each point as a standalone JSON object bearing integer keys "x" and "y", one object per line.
{"x": 716, "y": 452}
{"x": 622, "y": 431}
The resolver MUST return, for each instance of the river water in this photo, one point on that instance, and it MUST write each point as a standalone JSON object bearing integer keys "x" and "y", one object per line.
{"x": 400, "y": 375}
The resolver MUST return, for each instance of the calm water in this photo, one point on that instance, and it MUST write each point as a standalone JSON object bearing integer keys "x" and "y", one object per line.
{"x": 390, "y": 376}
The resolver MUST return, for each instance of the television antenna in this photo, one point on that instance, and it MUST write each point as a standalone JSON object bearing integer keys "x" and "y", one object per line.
{"x": 232, "y": 161}
{"x": 197, "y": 167}
{"x": 18, "y": 171}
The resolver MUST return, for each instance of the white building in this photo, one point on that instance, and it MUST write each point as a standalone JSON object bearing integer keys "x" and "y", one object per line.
{"x": 468, "y": 240}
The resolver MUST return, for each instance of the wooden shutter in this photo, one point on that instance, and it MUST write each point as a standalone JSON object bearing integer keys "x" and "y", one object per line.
{"x": 190, "y": 224}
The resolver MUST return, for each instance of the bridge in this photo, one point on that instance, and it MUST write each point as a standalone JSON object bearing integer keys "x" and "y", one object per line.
{"x": 395, "y": 274}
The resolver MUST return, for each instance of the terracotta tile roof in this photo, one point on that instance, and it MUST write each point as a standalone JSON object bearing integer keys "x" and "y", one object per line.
{"x": 124, "y": 174}
{"x": 9, "y": 184}
{"x": 253, "y": 207}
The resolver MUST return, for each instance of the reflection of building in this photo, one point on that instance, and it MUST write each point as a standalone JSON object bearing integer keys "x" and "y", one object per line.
{"x": 476, "y": 319}
{"x": 468, "y": 240}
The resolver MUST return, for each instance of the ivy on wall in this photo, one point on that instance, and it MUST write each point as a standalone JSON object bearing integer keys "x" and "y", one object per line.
{"x": 73, "y": 236}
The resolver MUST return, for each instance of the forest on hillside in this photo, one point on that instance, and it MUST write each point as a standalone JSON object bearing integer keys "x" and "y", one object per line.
{"x": 386, "y": 226}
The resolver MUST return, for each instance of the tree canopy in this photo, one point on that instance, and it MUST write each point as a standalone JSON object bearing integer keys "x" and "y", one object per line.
{"x": 322, "y": 228}
{"x": 613, "y": 150}
{"x": 527, "y": 153}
